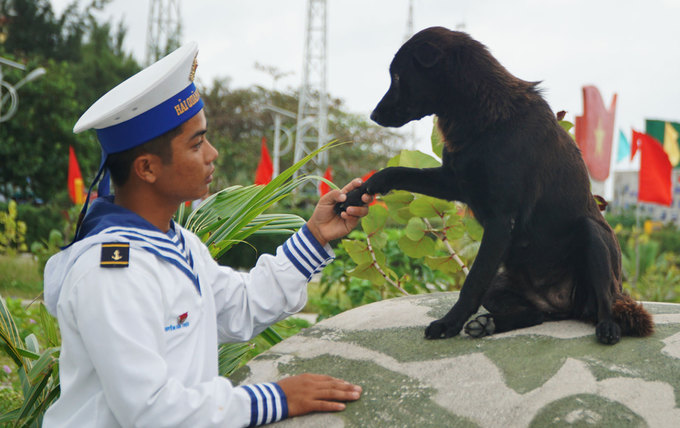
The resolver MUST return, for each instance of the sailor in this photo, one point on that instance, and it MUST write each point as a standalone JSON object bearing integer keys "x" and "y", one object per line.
{"x": 141, "y": 304}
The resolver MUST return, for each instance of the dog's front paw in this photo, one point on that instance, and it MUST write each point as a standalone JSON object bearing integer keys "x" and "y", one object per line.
{"x": 441, "y": 329}
{"x": 481, "y": 326}
{"x": 353, "y": 200}
{"x": 608, "y": 332}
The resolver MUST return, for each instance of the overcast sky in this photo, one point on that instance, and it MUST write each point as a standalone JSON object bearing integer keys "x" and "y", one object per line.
{"x": 627, "y": 47}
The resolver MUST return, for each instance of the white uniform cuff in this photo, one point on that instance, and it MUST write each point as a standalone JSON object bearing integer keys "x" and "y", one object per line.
{"x": 306, "y": 253}
{"x": 268, "y": 403}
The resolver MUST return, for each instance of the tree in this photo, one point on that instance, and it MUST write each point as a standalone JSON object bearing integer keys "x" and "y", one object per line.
{"x": 83, "y": 59}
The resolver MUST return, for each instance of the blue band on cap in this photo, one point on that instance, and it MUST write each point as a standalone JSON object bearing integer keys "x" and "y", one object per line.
{"x": 152, "y": 123}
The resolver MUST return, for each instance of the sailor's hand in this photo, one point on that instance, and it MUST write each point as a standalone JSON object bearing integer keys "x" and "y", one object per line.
{"x": 308, "y": 393}
{"x": 326, "y": 225}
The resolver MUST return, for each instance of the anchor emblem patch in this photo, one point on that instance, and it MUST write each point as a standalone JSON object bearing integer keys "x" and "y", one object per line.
{"x": 115, "y": 254}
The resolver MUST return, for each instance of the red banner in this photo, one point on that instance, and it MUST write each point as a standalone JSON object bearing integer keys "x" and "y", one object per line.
{"x": 594, "y": 132}
{"x": 265, "y": 169}
{"x": 75, "y": 179}
{"x": 655, "y": 170}
{"x": 323, "y": 187}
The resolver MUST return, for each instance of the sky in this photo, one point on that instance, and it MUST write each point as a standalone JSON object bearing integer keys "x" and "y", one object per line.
{"x": 627, "y": 47}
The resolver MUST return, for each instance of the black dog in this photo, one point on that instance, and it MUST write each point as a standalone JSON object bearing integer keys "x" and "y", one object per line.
{"x": 547, "y": 252}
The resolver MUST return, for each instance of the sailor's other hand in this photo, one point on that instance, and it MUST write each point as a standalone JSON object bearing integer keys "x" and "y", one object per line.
{"x": 308, "y": 393}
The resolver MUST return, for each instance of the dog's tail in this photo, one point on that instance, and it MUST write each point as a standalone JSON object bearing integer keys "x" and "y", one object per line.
{"x": 632, "y": 317}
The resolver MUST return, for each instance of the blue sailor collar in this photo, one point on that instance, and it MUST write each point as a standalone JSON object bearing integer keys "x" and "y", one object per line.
{"x": 105, "y": 217}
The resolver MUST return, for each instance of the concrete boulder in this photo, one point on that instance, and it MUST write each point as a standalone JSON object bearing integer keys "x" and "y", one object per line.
{"x": 554, "y": 374}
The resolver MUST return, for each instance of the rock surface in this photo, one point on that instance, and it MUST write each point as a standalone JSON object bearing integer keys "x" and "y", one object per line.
{"x": 554, "y": 374}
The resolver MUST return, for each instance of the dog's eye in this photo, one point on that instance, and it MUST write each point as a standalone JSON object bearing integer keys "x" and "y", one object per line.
{"x": 395, "y": 77}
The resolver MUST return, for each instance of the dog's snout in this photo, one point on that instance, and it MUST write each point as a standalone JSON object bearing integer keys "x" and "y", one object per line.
{"x": 374, "y": 115}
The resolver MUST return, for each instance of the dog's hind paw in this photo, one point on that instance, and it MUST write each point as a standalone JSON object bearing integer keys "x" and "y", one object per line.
{"x": 481, "y": 326}
{"x": 441, "y": 329}
{"x": 608, "y": 332}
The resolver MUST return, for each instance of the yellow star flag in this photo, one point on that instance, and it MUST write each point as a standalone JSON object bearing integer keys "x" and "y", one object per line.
{"x": 670, "y": 143}
{"x": 666, "y": 133}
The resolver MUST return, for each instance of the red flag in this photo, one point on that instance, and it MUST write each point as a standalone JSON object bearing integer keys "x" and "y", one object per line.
{"x": 594, "y": 132}
{"x": 75, "y": 178}
{"x": 367, "y": 176}
{"x": 655, "y": 170}
{"x": 363, "y": 180}
{"x": 265, "y": 168}
{"x": 323, "y": 187}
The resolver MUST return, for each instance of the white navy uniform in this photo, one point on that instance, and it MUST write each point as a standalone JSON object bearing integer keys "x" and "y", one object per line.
{"x": 141, "y": 314}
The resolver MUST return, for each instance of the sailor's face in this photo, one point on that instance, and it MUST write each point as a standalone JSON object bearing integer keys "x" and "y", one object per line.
{"x": 189, "y": 174}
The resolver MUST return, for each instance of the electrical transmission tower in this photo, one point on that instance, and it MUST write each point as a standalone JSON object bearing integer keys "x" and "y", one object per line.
{"x": 409, "y": 32}
{"x": 409, "y": 21}
{"x": 312, "y": 117}
{"x": 163, "y": 29}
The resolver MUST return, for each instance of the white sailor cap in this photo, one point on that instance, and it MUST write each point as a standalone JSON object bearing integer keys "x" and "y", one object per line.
{"x": 147, "y": 105}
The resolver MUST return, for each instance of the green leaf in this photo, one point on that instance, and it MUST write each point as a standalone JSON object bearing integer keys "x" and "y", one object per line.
{"x": 394, "y": 161}
{"x": 43, "y": 367}
{"x": 271, "y": 336}
{"x": 405, "y": 278}
{"x": 420, "y": 248}
{"x": 402, "y": 215}
{"x": 415, "y": 229}
{"x": 380, "y": 257}
{"x": 30, "y": 398}
{"x": 436, "y": 137}
{"x": 357, "y": 250}
{"x": 9, "y": 335}
{"x": 32, "y": 344}
{"x": 414, "y": 159}
{"x": 426, "y": 206}
{"x": 378, "y": 240}
{"x": 444, "y": 264}
{"x": 455, "y": 228}
{"x": 375, "y": 220}
{"x": 369, "y": 272}
{"x": 49, "y": 325}
{"x": 398, "y": 198}
{"x": 28, "y": 354}
{"x": 41, "y": 406}
{"x": 9, "y": 416}
{"x": 474, "y": 229}
{"x": 397, "y": 205}
{"x": 566, "y": 125}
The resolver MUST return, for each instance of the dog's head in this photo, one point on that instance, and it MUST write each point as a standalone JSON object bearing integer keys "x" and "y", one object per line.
{"x": 426, "y": 72}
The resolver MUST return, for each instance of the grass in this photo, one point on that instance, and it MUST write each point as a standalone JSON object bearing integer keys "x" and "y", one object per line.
{"x": 20, "y": 276}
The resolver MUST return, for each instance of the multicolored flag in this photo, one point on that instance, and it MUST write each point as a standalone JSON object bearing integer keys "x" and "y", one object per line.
{"x": 75, "y": 178}
{"x": 667, "y": 133}
{"x": 594, "y": 132}
{"x": 655, "y": 170}
{"x": 323, "y": 187}
{"x": 265, "y": 169}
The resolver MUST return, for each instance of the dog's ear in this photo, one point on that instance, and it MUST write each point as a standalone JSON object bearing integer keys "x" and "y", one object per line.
{"x": 427, "y": 54}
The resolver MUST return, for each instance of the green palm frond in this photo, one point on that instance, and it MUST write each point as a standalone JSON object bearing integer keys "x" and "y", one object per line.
{"x": 11, "y": 342}
{"x": 230, "y": 356}
{"x": 37, "y": 370}
{"x": 232, "y": 214}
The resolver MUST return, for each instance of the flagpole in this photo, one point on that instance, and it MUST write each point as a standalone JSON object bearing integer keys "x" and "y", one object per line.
{"x": 637, "y": 244}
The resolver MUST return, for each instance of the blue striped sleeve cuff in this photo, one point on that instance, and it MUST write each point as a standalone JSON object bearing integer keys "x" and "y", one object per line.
{"x": 306, "y": 253}
{"x": 268, "y": 403}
